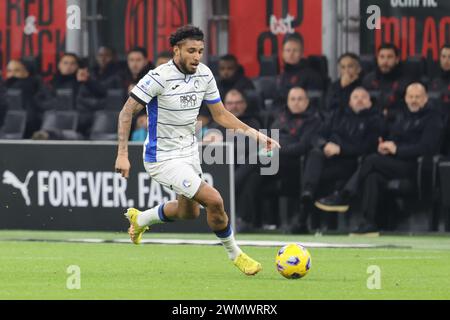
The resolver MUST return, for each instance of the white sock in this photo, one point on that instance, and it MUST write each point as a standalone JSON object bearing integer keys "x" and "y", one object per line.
{"x": 149, "y": 217}
{"x": 232, "y": 249}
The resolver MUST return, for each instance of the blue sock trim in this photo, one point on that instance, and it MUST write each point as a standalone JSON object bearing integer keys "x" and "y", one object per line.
{"x": 225, "y": 233}
{"x": 161, "y": 214}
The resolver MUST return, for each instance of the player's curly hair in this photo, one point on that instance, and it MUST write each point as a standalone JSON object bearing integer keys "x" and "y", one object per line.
{"x": 186, "y": 32}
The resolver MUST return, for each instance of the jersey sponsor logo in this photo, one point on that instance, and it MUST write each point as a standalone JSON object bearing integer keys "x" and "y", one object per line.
{"x": 145, "y": 85}
{"x": 188, "y": 101}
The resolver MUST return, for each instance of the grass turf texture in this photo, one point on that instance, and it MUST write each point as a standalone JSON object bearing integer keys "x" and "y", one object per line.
{"x": 37, "y": 270}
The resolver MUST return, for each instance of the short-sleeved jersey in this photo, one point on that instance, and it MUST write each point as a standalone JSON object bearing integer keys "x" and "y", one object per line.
{"x": 173, "y": 101}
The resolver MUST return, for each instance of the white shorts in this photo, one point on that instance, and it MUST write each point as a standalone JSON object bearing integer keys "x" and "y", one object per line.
{"x": 183, "y": 175}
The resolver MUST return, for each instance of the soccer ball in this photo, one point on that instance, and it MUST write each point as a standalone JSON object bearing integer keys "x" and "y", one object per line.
{"x": 293, "y": 261}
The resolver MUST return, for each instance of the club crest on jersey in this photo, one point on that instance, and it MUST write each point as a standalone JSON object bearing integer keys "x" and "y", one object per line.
{"x": 186, "y": 183}
{"x": 196, "y": 84}
{"x": 188, "y": 101}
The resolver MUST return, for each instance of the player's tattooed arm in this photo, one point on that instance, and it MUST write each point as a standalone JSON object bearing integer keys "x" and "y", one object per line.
{"x": 130, "y": 108}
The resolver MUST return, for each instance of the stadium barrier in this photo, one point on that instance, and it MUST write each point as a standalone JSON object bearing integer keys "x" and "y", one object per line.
{"x": 61, "y": 185}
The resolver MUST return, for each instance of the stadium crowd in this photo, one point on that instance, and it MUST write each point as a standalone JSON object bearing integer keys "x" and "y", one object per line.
{"x": 341, "y": 140}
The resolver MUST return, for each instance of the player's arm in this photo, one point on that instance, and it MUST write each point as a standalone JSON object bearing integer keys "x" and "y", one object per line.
{"x": 131, "y": 107}
{"x": 227, "y": 120}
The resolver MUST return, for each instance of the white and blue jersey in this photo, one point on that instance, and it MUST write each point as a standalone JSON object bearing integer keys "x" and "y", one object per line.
{"x": 173, "y": 100}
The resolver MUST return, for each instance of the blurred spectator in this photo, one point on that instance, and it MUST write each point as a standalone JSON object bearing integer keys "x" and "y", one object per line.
{"x": 350, "y": 78}
{"x": 67, "y": 67}
{"x": 94, "y": 85}
{"x": 441, "y": 85}
{"x": 141, "y": 73}
{"x": 413, "y": 134}
{"x": 246, "y": 175}
{"x": 140, "y": 130}
{"x": 105, "y": 74}
{"x": 65, "y": 78}
{"x": 388, "y": 80}
{"x": 107, "y": 65}
{"x": 442, "y": 82}
{"x": 3, "y": 102}
{"x": 163, "y": 57}
{"x": 231, "y": 76}
{"x": 347, "y": 135}
{"x": 296, "y": 72}
{"x": 136, "y": 62}
{"x": 298, "y": 125}
{"x": 19, "y": 77}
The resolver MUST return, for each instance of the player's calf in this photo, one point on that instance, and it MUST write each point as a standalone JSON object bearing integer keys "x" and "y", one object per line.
{"x": 187, "y": 209}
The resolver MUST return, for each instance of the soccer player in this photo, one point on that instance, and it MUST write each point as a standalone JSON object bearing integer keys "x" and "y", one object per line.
{"x": 172, "y": 94}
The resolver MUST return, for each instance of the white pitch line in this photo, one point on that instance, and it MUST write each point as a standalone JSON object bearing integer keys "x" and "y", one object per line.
{"x": 87, "y": 240}
{"x": 256, "y": 243}
{"x": 403, "y": 258}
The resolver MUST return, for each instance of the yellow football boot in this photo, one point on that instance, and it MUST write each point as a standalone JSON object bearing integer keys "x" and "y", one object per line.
{"x": 135, "y": 231}
{"x": 247, "y": 265}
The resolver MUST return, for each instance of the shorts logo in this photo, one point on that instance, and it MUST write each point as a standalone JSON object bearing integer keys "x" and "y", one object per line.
{"x": 186, "y": 183}
{"x": 188, "y": 101}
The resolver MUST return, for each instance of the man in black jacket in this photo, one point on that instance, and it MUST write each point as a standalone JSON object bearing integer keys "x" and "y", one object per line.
{"x": 231, "y": 76}
{"x": 18, "y": 76}
{"x": 414, "y": 133}
{"x": 136, "y": 62}
{"x": 388, "y": 79}
{"x": 441, "y": 84}
{"x": 93, "y": 86}
{"x": 347, "y": 135}
{"x": 297, "y": 72}
{"x": 65, "y": 78}
{"x": 350, "y": 78}
{"x": 104, "y": 75}
{"x": 298, "y": 125}
{"x": 66, "y": 75}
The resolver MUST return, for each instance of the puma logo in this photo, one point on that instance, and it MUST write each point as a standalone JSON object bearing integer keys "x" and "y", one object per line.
{"x": 11, "y": 179}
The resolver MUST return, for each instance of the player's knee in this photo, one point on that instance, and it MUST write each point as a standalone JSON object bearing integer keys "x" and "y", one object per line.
{"x": 215, "y": 203}
{"x": 218, "y": 219}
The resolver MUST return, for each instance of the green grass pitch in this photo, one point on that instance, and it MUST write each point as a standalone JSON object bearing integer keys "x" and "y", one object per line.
{"x": 419, "y": 269}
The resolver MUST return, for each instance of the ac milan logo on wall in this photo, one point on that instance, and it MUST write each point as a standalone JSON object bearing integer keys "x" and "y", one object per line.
{"x": 149, "y": 23}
